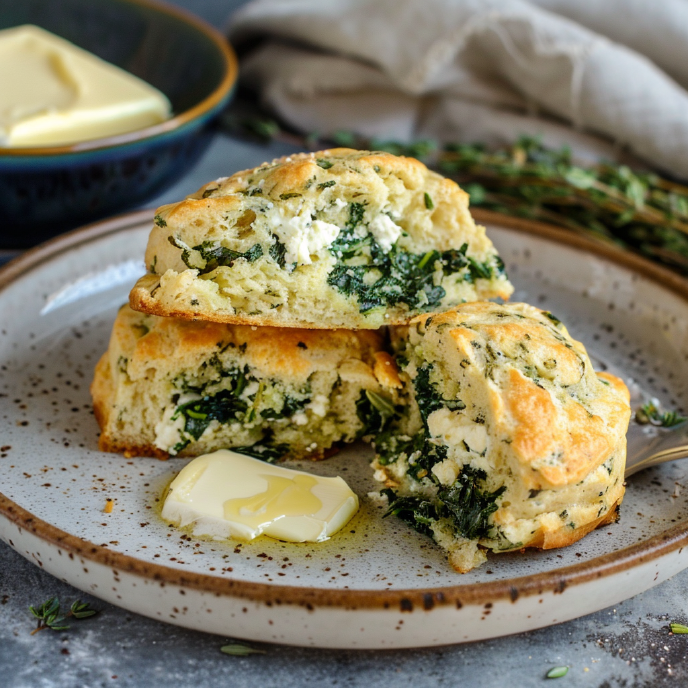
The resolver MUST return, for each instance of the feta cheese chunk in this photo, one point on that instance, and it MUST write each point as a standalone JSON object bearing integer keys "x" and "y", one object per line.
{"x": 385, "y": 232}
{"x": 302, "y": 236}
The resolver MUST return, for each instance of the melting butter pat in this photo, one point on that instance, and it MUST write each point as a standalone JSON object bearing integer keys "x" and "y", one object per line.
{"x": 53, "y": 93}
{"x": 229, "y": 495}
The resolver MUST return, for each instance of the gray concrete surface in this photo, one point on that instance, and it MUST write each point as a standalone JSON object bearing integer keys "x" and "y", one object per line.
{"x": 626, "y": 647}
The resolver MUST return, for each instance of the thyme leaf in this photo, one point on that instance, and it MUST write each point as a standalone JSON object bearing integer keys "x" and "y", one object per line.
{"x": 557, "y": 672}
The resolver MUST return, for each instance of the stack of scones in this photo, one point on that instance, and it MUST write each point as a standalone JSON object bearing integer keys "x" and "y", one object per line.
{"x": 339, "y": 295}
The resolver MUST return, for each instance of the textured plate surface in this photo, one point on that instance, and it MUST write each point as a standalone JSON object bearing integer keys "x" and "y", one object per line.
{"x": 56, "y": 310}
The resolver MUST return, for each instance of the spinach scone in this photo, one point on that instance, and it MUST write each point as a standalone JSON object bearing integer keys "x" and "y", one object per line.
{"x": 512, "y": 440}
{"x": 168, "y": 386}
{"x": 334, "y": 239}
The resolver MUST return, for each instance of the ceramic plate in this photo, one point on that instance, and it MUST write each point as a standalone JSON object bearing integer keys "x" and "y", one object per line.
{"x": 378, "y": 584}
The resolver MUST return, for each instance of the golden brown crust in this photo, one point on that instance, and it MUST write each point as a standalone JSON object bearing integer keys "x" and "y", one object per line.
{"x": 541, "y": 429}
{"x": 539, "y": 379}
{"x": 101, "y": 392}
{"x": 283, "y": 352}
{"x": 565, "y": 536}
{"x": 385, "y": 370}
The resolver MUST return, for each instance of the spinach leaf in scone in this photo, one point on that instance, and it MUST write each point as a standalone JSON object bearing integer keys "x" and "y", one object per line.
{"x": 224, "y": 406}
{"x": 428, "y": 397}
{"x": 416, "y": 512}
{"x": 465, "y": 504}
{"x": 378, "y": 278}
{"x": 211, "y": 255}
{"x": 290, "y": 406}
{"x": 469, "y": 506}
{"x": 264, "y": 450}
{"x": 375, "y": 412}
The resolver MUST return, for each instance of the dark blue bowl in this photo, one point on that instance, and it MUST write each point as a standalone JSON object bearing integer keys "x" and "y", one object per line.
{"x": 44, "y": 191}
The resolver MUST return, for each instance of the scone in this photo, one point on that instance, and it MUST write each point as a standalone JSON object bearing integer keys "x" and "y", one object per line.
{"x": 174, "y": 387}
{"x": 334, "y": 239}
{"x": 511, "y": 441}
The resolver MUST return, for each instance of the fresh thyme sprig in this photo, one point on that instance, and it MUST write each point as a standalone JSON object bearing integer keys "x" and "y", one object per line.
{"x": 611, "y": 203}
{"x": 651, "y": 412}
{"x": 557, "y": 672}
{"x": 50, "y": 615}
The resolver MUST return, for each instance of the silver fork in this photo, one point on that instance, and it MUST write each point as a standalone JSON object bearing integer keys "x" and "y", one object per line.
{"x": 649, "y": 445}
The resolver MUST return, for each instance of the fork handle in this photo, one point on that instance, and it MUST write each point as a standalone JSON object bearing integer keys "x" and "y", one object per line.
{"x": 665, "y": 456}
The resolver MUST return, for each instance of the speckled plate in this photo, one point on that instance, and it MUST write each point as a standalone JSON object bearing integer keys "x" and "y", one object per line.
{"x": 376, "y": 585}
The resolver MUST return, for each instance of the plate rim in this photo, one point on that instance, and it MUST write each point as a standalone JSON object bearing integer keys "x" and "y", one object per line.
{"x": 555, "y": 581}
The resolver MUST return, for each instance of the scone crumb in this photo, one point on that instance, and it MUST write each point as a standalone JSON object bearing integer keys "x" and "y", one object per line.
{"x": 109, "y": 505}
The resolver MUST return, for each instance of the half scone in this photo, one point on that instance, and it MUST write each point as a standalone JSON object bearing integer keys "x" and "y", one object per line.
{"x": 335, "y": 239}
{"x": 173, "y": 387}
{"x": 512, "y": 440}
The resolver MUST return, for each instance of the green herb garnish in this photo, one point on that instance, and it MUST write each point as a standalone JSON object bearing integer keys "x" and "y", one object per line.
{"x": 557, "y": 672}
{"x": 50, "y": 615}
{"x": 326, "y": 185}
{"x": 651, "y": 413}
{"x": 678, "y": 629}
{"x": 428, "y": 202}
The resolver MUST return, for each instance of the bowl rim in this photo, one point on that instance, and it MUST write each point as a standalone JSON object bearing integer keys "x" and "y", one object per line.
{"x": 231, "y": 70}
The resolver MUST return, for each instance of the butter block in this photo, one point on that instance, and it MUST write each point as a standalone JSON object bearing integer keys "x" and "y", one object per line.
{"x": 53, "y": 93}
{"x": 228, "y": 495}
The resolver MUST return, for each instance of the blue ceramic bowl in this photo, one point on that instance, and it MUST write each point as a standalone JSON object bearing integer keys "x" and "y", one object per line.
{"x": 44, "y": 191}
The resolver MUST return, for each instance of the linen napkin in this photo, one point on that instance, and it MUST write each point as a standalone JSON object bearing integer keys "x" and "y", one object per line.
{"x": 602, "y": 77}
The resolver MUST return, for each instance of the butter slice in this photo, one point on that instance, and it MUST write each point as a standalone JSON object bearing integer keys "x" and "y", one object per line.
{"x": 228, "y": 495}
{"x": 53, "y": 93}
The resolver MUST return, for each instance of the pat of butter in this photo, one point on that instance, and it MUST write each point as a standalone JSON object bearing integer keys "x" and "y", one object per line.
{"x": 53, "y": 93}
{"x": 228, "y": 495}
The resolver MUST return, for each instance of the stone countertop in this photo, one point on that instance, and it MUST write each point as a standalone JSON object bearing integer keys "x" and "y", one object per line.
{"x": 627, "y": 646}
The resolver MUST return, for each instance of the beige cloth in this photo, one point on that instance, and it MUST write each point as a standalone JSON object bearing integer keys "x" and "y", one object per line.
{"x": 599, "y": 75}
